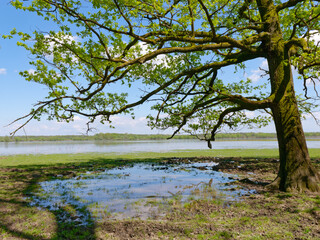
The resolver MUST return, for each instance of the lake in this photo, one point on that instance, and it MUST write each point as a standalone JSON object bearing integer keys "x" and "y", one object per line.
{"x": 131, "y": 146}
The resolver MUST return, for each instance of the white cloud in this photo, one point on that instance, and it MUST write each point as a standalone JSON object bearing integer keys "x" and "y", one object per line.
{"x": 309, "y": 116}
{"x": 77, "y": 118}
{"x": 250, "y": 114}
{"x": 255, "y": 76}
{"x": 159, "y": 59}
{"x": 31, "y": 71}
{"x": 59, "y": 41}
{"x": 128, "y": 122}
{"x": 3, "y": 71}
{"x": 62, "y": 39}
{"x": 145, "y": 49}
{"x": 312, "y": 83}
{"x": 310, "y": 124}
{"x": 122, "y": 124}
{"x": 264, "y": 64}
{"x": 317, "y": 115}
{"x": 315, "y": 36}
{"x": 257, "y": 73}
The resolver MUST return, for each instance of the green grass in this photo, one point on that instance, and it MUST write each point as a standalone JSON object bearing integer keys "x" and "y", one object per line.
{"x": 52, "y": 159}
{"x": 271, "y": 215}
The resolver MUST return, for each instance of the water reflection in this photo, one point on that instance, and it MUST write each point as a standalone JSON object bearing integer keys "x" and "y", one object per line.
{"x": 141, "y": 190}
{"x": 123, "y": 146}
{"x": 131, "y": 146}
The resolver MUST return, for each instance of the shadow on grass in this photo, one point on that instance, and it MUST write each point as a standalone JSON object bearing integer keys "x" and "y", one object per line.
{"x": 20, "y": 220}
{"x": 18, "y": 224}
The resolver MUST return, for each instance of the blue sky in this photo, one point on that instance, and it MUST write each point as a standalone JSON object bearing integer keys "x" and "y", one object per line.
{"x": 18, "y": 96}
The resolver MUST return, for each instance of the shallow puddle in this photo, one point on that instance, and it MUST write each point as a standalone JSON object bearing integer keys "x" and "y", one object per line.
{"x": 141, "y": 190}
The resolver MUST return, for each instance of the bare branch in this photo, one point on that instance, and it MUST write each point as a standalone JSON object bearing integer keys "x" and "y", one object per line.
{"x": 213, "y": 30}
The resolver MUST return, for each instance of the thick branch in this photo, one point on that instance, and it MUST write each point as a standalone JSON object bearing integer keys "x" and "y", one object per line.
{"x": 220, "y": 121}
{"x": 287, "y": 4}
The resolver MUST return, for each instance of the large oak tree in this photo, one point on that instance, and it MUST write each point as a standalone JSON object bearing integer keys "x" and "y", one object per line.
{"x": 176, "y": 52}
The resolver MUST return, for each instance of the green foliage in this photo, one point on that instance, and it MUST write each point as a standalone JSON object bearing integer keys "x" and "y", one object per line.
{"x": 202, "y": 118}
{"x": 173, "y": 51}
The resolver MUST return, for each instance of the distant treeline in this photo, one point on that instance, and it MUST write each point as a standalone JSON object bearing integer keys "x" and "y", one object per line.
{"x": 96, "y": 137}
{"x": 132, "y": 137}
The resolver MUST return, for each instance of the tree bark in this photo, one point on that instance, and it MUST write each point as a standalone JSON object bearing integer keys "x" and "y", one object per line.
{"x": 296, "y": 172}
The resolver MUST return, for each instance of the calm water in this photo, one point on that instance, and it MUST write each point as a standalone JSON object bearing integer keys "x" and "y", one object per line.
{"x": 141, "y": 190}
{"x": 130, "y": 146}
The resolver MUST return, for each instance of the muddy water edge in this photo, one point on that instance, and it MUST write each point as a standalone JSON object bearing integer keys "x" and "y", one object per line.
{"x": 142, "y": 190}
{"x": 263, "y": 215}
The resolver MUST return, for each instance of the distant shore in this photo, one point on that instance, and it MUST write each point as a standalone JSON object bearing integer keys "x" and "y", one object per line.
{"x": 132, "y": 137}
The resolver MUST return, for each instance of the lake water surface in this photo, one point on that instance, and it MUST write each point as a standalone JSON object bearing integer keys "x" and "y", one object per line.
{"x": 131, "y": 146}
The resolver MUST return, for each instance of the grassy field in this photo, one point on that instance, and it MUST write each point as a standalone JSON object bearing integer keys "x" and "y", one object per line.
{"x": 265, "y": 215}
{"x": 53, "y": 159}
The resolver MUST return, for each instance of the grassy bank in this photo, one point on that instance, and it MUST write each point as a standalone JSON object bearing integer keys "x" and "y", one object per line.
{"x": 265, "y": 215}
{"x": 53, "y": 159}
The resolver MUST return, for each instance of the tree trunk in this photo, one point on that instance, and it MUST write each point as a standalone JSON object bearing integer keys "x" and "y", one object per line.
{"x": 296, "y": 172}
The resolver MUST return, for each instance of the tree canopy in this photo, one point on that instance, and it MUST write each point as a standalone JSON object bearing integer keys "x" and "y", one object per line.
{"x": 175, "y": 51}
